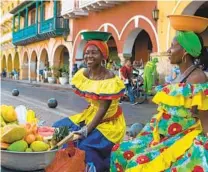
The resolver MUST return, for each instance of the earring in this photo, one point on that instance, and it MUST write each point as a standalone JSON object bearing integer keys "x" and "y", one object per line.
{"x": 184, "y": 58}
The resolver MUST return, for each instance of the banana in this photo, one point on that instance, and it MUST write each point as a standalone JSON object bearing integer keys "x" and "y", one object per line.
{"x": 31, "y": 118}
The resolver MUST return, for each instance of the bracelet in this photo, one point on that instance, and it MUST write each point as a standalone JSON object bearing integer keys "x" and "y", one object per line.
{"x": 84, "y": 131}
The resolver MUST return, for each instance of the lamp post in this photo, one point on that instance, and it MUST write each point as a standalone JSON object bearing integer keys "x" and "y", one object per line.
{"x": 155, "y": 14}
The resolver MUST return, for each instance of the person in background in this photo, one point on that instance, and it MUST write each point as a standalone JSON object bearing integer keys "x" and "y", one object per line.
{"x": 110, "y": 65}
{"x": 126, "y": 76}
{"x": 74, "y": 69}
{"x": 150, "y": 74}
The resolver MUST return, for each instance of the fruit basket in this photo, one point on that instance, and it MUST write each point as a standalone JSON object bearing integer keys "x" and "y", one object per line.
{"x": 188, "y": 23}
{"x": 25, "y": 144}
{"x": 27, "y": 161}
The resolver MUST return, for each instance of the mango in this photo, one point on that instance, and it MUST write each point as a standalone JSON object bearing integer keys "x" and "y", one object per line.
{"x": 28, "y": 150}
{"x": 39, "y": 146}
{"x": 12, "y": 133}
{"x": 18, "y": 146}
{"x": 3, "y": 109}
{"x": 9, "y": 115}
{"x": 4, "y": 145}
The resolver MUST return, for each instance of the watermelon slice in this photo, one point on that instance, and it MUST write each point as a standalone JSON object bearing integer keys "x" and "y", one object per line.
{"x": 46, "y": 131}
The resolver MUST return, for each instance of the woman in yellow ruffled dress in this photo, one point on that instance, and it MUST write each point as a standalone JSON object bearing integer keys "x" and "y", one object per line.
{"x": 175, "y": 140}
{"x": 102, "y": 124}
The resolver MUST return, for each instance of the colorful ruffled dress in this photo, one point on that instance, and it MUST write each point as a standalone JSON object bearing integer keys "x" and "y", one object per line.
{"x": 172, "y": 141}
{"x": 98, "y": 144}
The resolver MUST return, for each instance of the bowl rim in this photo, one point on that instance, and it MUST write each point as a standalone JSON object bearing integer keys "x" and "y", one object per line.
{"x": 13, "y": 152}
{"x": 189, "y": 16}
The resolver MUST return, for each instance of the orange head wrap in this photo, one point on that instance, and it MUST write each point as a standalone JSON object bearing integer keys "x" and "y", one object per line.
{"x": 102, "y": 46}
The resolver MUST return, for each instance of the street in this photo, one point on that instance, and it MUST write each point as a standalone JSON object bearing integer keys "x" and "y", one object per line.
{"x": 36, "y": 97}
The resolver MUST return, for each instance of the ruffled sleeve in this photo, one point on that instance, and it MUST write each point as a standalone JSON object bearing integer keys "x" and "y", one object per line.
{"x": 108, "y": 89}
{"x": 183, "y": 94}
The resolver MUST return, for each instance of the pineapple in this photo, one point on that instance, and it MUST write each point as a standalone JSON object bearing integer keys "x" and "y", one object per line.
{"x": 59, "y": 134}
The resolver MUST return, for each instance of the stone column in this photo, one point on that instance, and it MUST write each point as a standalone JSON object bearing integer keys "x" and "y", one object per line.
{"x": 122, "y": 58}
{"x": 163, "y": 66}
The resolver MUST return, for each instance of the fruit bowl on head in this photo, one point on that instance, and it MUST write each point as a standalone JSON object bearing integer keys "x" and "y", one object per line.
{"x": 188, "y": 23}
{"x": 27, "y": 161}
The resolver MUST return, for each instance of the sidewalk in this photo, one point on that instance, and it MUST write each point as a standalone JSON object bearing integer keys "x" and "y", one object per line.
{"x": 40, "y": 84}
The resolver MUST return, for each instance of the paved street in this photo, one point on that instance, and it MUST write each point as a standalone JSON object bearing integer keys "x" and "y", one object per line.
{"x": 35, "y": 97}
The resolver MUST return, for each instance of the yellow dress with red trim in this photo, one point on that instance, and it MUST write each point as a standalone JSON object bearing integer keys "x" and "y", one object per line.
{"x": 173, "y": 140}
{"x": 113, "y": 125}
{"x": 98, "y": 144}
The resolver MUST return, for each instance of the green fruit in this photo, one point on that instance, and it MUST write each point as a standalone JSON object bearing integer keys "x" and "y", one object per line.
{"x": 39, "y": 146}
{"x": 28, "y": 150}
{"x": 18, "y": 146}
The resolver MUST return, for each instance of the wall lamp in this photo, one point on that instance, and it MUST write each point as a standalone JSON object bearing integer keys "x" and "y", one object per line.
{"x": 155, "y": 14}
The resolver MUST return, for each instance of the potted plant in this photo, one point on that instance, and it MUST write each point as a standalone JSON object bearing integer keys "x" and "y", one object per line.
{"x": 64, "y": 74}
{"x": 52, "y": 72}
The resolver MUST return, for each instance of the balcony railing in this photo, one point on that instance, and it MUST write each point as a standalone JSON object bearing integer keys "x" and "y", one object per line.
{"x": 47, "y": 25}
{"x": 24, "y": 34}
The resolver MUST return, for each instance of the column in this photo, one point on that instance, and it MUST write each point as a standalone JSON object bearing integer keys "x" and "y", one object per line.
{"x": 55, "y": 12}
{"x": 36, "y": 18}
{"x": 41, "y": 12}
{"x": 13, "y": 21}
{"x": 26, "y": 18}
{"x": 18, "y": 21}
{"x": 122, "y": 58}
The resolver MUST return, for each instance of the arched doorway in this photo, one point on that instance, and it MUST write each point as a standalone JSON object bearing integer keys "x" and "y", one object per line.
{"x": 138, "y": 46}
{"x": 113, "y": 52}
{"x": 43, "y": 63}
{"x": 60, "y": 60}
{"x": 33, "y": 66}
{"x": 9, "y": 64}
{"x": 16, "y": 62}
{"x": 24, "y": 74}
{"x": 3, "y": 63}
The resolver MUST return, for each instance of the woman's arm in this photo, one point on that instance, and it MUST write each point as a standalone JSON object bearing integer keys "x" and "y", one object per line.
{"x": 104, "y": 105}
{"x": 203, "y": 116}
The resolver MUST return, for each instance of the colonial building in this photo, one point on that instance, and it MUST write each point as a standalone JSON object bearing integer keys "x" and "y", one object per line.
{"x": 47, "y": 33}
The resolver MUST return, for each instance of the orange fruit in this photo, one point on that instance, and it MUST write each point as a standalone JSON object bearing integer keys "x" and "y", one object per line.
{"x": 39, "y": 137}
{"x": 30, "y": 138}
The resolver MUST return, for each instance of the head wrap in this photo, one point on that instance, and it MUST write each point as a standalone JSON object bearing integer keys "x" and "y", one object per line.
{"x": 190, "y": 42}
{"x": 102, "y": 46}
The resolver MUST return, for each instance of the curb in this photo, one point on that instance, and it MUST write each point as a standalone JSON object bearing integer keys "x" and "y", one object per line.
{"x": 45, "y": 85}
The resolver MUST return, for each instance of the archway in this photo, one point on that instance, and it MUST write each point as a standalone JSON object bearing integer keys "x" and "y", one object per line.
{"x": 3, "y": 63}
{"x": 138, "y": 46}
{"x": 16, "y": 62}
{"x": 60, "y": 60}
{"x": 9, "y": 64}
{"x": 24, "y": 74}
{"x": 43, "y": 63}
{"x": 198, "y": 8}
{"x": 33, "y": 66}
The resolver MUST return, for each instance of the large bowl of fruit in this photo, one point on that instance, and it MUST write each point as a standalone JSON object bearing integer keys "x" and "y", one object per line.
{"x": 26, "y": 146}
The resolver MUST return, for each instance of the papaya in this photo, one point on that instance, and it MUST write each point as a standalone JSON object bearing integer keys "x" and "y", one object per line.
{"x": 3, "y": 123}
{"x": 39, "y": 146}
{"x": 4, "y": 145}
{"x": 13, "y": 133}
{"x": 18, "y": 146}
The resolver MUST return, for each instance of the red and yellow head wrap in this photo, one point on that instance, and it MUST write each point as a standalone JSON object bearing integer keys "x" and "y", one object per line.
{"x": 102, "y": 46}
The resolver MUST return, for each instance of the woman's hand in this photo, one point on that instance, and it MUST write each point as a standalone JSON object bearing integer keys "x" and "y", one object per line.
{"x": 203, "y": 116}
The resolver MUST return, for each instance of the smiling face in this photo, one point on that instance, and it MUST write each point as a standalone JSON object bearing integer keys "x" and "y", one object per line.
{"x": 176, "y": 52}
{"x": 93, "y": 56}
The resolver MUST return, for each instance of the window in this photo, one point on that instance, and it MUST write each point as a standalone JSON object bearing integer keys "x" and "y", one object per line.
{"x": 32, "y": 21}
